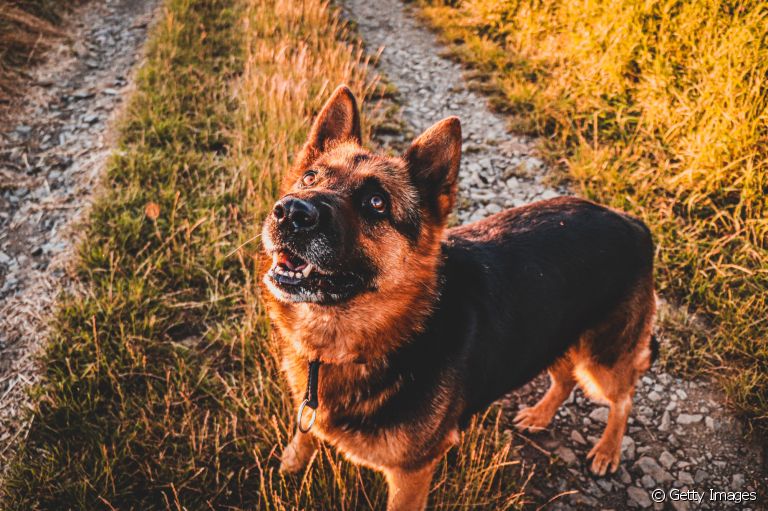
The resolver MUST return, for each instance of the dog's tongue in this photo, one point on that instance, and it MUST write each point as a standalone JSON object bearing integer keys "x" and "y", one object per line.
{"x": 291, "y": 262}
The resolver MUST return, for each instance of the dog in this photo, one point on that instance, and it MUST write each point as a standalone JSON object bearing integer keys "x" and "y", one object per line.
{"x": 395, "y": 330}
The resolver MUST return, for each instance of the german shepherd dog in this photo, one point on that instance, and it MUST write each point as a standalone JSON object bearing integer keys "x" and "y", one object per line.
{"x": 417, "y": 327}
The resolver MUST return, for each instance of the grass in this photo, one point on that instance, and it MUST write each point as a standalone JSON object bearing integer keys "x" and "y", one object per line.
{"x": 657, "y": 107}
{"x": 26, "y": 29}
{"x": 161, "y": 387}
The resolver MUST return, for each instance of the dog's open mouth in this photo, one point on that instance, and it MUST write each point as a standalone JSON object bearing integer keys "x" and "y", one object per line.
{"x": 288, "y": 268}
{"x": 295, "y": 278}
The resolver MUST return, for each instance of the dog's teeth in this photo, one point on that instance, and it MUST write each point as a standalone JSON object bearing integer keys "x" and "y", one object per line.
{"x": 307, "y": 270}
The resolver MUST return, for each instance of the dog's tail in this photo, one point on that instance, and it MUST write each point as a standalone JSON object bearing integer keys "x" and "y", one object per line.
{"x": 654, "y": 348}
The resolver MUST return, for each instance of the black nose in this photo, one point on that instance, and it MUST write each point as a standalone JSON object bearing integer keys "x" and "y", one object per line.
{"x": 298, "y": 214}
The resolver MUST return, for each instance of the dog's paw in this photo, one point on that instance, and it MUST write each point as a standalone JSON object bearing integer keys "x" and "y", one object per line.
{"x": 605, "y": 458}
{"x": 291, "y": 462}
{"x": 532, "y": 419}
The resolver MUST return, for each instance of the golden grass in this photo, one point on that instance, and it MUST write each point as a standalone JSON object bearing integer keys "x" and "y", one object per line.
{"x": 658, "y": 107}
{"x": 161, "y": 388}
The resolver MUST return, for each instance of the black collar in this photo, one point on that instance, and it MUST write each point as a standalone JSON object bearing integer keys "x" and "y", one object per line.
{"x": 310, "y": 397}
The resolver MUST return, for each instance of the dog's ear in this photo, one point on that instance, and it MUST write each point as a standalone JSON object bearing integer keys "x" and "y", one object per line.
{"x": 338, "y": 121}
{"x": 433, "y": 161}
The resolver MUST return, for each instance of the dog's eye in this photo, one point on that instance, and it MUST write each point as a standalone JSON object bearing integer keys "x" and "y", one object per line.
{"x": 377, "y": 203}
{"x": 309, "y": 178}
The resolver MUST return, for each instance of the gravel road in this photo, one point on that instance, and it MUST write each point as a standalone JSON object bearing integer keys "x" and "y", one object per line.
{"x": 53, "y": 147}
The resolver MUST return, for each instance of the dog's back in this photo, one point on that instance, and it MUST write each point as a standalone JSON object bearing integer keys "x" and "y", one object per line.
{"x": 533, "y": 280}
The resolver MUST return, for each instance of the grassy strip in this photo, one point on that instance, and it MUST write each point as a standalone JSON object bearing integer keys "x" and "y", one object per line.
{"x": 162, "y": 388}
{"x": 26, "y": 29}
{"x": 658, "y": 108}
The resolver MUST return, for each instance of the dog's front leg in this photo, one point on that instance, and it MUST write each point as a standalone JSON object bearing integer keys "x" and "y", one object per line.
{"x": 409, "y": 489}
{"x": 298, "y": 452}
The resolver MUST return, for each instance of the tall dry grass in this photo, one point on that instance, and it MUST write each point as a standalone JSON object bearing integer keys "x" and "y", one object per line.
{"x": 658, "y": 107}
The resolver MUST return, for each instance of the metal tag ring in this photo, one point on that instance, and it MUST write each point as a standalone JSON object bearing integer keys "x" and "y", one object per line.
{"x": 300, "y": 417}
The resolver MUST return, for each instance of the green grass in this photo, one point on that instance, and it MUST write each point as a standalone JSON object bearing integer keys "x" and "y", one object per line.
{"x": 161, "y": 387}
{"x": 657, "y": 107}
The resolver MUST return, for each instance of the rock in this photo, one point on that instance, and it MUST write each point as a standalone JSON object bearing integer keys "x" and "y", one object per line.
{"x": 652, "y": 468}
{"x": 549, "y": 194}
{"x": 666, "y": 422}
{"x": 737, "y": 482}
{"x": 685, "y": 419}
{"x": 578, "y": 438}
{"x": 681, "y": 394}
{"x": 639, "y": 497}
{"x": 710, "y": 423}
{"x": 566, "y": 454}
{"x": 667, "y": 459}
{"x": 654, "y": 396}
{"x": 600, "y": 414}
{"x": 648, "y": 482}
{"x": 685, "y": 477}
{"x": 624, "y": 476}
{"x": 605, "y": 485}
{"x": 700, "y": 476}
{"x": 628, "y": 448}
{"x": 493, "y": 209}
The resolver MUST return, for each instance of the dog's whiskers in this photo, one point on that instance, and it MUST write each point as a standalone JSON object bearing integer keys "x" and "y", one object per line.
{"x": 242, "y": 245}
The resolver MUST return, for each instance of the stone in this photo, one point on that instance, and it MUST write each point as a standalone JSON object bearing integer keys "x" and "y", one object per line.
{"x": 628, "y": 448}
{"x": 566, "y": 454}
{"x": 666, "y": 422}
{"x": 685, "y": 477}
{"x": 648, "y": 481}
{"x": 700, "y": 476}
{"x": 578, "y": 438}
{"x": 685, "y": 419}
{"x": 667, "y": 460}
{"x": 599, "y": 414}
{"x": 639, "y": 497}
{"x": 652, "y": 468}
{"x": 654, "y": 396}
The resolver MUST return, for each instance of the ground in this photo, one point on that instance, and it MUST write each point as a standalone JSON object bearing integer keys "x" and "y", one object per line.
{"x": 680, "y": 432}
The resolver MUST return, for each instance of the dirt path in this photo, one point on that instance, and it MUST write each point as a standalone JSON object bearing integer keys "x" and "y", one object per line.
{"x": 51, "y": 155}
{"x": 680, "y": 435}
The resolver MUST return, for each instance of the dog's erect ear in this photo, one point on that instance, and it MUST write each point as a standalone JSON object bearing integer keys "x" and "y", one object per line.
{"x": 433, "y": 161}
{"x": 338, "y": 121}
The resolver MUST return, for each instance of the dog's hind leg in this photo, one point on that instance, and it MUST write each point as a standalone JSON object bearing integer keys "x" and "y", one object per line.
{"x": 607, "y": 365}
{"x": 298, "y": 452}
{"x": 616, "y": 387}
{"x": 538, "y": 417}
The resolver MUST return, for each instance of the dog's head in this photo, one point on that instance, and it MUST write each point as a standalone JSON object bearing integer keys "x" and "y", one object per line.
{"x": 351, "y": 222}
